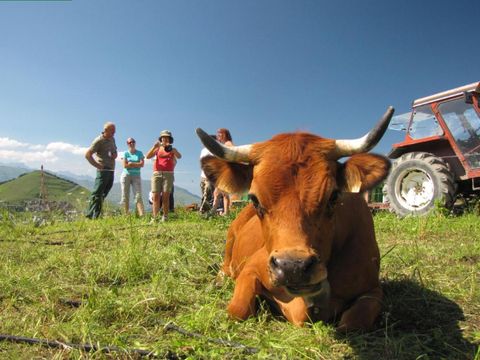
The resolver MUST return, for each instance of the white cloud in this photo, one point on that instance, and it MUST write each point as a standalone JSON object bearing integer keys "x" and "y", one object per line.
{"x": 36, "y": 147}
{"x": 65, "y": 147}
{"x": 7, "y": 143}
{"x": 27, "y": 157}
{"x": 56, "y": 156}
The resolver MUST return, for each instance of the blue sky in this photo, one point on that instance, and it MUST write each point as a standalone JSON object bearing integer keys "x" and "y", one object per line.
{"x": 257, "y": 67}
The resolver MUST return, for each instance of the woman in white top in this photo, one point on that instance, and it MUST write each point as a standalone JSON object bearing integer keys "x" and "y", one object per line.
{"x": 223, "y": 136}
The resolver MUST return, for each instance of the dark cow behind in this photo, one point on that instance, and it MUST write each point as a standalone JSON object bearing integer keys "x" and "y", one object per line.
{"x": 306, "y": 243}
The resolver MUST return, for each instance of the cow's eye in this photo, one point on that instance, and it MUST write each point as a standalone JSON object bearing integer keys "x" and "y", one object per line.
{"x": 253, "y": 199}
{"x": 260, "y": 209}
{"x": 333, "y": 198}
{"x": 332, "y": 202}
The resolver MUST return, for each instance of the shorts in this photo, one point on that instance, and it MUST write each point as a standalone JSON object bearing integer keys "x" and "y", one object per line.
{"x": 162, "y": 181}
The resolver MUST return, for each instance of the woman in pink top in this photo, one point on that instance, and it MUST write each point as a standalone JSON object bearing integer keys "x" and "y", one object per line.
{"x": 162, "y": 179}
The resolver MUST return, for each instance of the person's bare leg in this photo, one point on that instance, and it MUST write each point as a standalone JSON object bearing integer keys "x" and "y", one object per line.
{"x": 226, "y": 204}
{"x": 140, "y": 209}
{"x": 156, "y": 204}
{"x": 165, "y": 204}
{"x": 216, "y": 199}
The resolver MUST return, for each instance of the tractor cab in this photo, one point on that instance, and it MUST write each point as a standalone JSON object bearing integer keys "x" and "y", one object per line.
{"x": 440, "y": 155}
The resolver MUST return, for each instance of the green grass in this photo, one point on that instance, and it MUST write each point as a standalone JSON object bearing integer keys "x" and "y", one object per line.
{"x": 120, "y": 281}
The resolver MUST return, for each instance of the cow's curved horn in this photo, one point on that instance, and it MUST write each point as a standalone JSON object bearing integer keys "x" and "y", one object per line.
{"x": 238, "y": 154}
{"x": 366, "y": 142}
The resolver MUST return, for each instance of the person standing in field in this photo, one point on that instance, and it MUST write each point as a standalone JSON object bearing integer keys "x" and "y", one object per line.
{"x": 133, "y": 161}
{"x": 206, "y": 187}
{"x": 172, "y": 200}
{"x": 105, "y": 151}
{"x": 223, "y": 136}
{"x": 163, "y": 167}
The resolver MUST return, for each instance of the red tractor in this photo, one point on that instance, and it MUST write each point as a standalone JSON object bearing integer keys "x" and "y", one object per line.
{"x": 440, "y": 156}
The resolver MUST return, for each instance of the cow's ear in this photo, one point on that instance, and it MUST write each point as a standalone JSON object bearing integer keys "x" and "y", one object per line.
{"x": 362, "y": 172}
{"x": 227, "y": 176}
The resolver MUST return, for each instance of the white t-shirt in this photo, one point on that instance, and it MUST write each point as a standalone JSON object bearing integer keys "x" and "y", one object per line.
{"x": 204, "y": 153}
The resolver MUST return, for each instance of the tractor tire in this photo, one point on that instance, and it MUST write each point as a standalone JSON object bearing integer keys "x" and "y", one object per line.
{"x": 417, "y": 180}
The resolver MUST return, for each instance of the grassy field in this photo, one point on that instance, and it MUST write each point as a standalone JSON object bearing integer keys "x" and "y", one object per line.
{"x": 122, "y": 282}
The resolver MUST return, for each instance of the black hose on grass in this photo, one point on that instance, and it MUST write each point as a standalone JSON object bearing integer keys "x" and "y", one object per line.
{"x": 110, "y": 349}
{"x": 55, "y": 243}
{"x": 84, "y": 347}
{"x": 246, "y": 349}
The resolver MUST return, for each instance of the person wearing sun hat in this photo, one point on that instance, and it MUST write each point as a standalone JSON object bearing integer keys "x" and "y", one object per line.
{"x": 133, "y": 161}
{"x": 163, "y": 168}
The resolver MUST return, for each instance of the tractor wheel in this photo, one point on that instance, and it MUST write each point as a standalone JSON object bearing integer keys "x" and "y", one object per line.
{"x": 416, "y": 181}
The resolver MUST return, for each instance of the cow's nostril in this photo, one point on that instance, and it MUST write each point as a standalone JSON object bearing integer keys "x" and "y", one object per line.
{"x": 277, "y": 267}
{"x": 274, "y": 262}
{"x": 309, "y": 264}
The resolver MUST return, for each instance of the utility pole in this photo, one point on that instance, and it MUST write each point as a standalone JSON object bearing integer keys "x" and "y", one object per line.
{"x": 43, "y": 189}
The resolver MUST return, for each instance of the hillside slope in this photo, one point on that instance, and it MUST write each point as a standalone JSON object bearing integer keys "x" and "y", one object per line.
{"x": 27, "y": 187}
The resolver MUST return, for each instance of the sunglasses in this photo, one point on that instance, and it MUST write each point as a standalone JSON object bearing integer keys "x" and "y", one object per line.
{"x": 130, "y": 142}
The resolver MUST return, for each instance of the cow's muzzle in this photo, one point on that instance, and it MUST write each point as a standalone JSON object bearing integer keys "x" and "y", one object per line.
{"x": 299, "y": 272}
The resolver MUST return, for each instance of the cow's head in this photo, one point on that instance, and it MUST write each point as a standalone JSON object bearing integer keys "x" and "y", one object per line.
{"x": 295, "y": 182}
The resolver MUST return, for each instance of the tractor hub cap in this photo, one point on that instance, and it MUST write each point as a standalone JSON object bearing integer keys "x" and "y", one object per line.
{"x": 415, "y": 189}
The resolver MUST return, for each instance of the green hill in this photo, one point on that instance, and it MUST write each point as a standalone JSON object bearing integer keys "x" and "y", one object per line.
{"x": 26, "y": 187}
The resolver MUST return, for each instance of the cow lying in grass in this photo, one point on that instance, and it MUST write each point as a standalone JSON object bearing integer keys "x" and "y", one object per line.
{"x": 306, "y": 243}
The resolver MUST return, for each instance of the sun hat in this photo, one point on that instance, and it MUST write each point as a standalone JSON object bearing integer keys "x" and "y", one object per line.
{"x": 166, "y": 133}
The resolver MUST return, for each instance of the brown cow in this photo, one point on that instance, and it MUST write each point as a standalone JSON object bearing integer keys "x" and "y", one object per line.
{"x": 306, "y": 243}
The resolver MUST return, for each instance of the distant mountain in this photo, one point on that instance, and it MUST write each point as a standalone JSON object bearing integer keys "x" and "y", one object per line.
{"x": 11, "y": 172}
{"x": 74, "y": 177}
{"x": 26, "y": 187}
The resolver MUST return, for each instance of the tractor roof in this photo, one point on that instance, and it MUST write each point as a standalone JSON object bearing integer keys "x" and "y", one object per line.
{"x": 473, "y": 87}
